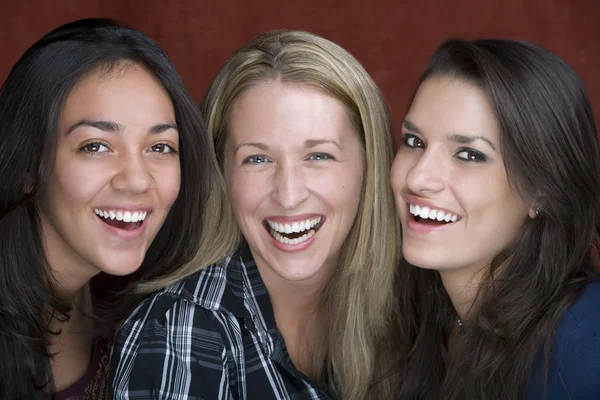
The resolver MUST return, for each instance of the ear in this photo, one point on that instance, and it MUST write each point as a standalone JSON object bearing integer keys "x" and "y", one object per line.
{"x": 534, "y": 210}
{"x": 29, "y": 186}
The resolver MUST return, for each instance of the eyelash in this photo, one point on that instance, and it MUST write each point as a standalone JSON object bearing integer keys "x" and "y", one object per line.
{"x": 253, "y": 159}
{"x": 325, "y": 156}
{"x": 249, "y": 160}
{"x": 86, "y": 148}
{"x": 472, "y": 156}
{"x": 171, "y": 150}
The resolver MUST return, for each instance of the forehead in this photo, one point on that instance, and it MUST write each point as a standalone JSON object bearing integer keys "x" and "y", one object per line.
{"x": 445, "y": 105}
{"x": 275, "y": 110}
{"x": 126, "y": 92}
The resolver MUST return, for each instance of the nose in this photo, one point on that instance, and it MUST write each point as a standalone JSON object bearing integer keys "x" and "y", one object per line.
{"x": 133, "y": 174}
{"x": 427, "y": 174}
{"x": 289, "y": 186}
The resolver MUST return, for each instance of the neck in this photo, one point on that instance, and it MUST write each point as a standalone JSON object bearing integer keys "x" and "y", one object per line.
{"x": 462, "y": 286}
{"x": 297, "y": 314}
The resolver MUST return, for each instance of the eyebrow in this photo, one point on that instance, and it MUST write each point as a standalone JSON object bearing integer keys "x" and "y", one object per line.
{"x": 113, "y": 127}
{"x": 455, "y": 137}
{"x": 465, "y": 139}
{"x": 260, "y": 145}
{"x": 315, "y": 142}
{"x": 310, "y": 143}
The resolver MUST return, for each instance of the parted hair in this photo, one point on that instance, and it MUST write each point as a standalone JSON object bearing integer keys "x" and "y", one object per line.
{"x": 550, "y": 149}
{"x": 31, "y": 102}
{"x": 357, "y": 302}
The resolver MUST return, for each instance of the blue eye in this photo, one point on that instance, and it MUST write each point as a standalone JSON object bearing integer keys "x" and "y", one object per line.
{"x": 162, "y": 148}
{"x": 321, "y": 157}
{"x": 470, "y": 155}
{"x": 94, "y": 147}
{"x": 412, "y": 141}
{"x": 256, "y": 160}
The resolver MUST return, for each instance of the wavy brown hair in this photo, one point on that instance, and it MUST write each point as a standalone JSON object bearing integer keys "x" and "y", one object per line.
{"x": 550, "y": 149}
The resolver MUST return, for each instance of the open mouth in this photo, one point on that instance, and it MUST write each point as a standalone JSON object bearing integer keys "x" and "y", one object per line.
{"x": 296, "y": 232}
{"x": 125, "y": 220}
{"x": 432, "y": 216}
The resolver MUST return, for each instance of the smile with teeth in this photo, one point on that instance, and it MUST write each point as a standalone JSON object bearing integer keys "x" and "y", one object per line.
{"x": 426, "y": 213}
{"x": 127, "y": 220}
{"x": 294, "y": 233}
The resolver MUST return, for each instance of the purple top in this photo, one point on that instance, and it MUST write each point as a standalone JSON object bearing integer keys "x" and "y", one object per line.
{"x": 94, "y": 383}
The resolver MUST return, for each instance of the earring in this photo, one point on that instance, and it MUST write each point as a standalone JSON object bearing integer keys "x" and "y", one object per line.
{"x": 537, "y": 210}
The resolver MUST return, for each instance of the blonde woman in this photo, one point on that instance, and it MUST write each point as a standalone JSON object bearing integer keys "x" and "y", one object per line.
{"x": 290, "y": 295}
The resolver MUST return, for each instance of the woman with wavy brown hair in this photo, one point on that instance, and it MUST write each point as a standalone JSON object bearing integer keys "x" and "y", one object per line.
{"x": 300, "y": 304}
{"x": 497, "y": 187}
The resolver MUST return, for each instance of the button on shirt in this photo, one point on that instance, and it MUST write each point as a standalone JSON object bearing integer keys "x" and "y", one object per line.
{"x": 211, "y": 336}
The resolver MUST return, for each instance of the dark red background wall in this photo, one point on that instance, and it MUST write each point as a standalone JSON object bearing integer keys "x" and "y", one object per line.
{"x": 393, "y": 39}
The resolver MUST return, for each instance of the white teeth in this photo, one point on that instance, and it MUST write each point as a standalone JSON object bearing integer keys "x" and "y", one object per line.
{"x": 296, "y": 227}
{"x": 433, "y": 214}
{"x": 286, "y": 240}
{"x": 126, "y": 216}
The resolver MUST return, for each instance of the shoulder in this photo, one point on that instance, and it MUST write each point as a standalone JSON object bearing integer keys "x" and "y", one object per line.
{"x": 203, "y": 290}
{"x": 173, "y": 335}
{"x": 575, "y": 366}
{"x": 582, "y": 319}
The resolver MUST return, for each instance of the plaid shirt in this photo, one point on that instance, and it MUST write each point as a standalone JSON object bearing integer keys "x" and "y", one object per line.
{"x": 211, "y": 336}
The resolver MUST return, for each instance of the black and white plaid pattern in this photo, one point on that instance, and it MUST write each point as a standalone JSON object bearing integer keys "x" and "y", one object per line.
{"x": 211, "y": 336}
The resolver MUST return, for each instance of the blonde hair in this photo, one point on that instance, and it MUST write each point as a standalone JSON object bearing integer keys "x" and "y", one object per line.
{"x": 357, "y": 303}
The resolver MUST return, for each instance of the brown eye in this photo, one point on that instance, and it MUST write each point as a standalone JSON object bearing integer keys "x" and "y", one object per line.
{"x": 470, "y": 155}
{"x": 94, "y": 147}
{"x": 413, "y": 141}
{"x": 162, "y": 148}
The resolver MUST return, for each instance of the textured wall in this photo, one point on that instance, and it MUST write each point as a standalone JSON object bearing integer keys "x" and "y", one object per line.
{"x": 393, "y": 39}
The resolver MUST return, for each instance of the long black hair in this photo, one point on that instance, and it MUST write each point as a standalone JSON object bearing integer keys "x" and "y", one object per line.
{"x": 551, "y": 153}
{"x": 31, "y": 102}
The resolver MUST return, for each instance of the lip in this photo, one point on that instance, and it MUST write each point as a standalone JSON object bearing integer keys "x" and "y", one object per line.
{"x": 121, "y": 233}
{"x": 410, "y": 199}
{"x": 420, "y": 228}
{"x": 294, "y": 218}
{"x": 138, "y": 207}
{"x": 292, "y": 248}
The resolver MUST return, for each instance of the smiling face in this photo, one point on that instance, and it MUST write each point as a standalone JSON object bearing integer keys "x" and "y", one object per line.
{"x": 115, "y": 177}
{"x": 294, "y": 167}
{"x": 456, "y": 206}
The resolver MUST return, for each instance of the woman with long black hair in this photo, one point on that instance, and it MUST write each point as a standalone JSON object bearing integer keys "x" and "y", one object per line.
{"x": 103, "y": 165}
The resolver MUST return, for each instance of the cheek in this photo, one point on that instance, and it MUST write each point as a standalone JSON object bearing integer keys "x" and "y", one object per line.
{"x": 400, "y": 168}
{"x": 247, "y": 190}
{"x": 168, "y": 183}
{"x": 77, "y": 183}
{"x": 341, "y": 188}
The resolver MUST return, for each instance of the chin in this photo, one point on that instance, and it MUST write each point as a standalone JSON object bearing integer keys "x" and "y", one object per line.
{"x": 121, "y": 267}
